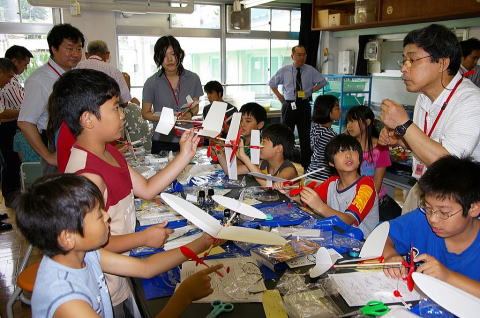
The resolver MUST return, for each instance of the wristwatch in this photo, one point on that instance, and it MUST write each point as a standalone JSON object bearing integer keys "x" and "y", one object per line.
{"x": 402, "y": 129}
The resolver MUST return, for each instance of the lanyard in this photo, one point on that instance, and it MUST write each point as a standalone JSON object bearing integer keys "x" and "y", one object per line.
{"x": 54, "y": 69}
{"x": 466, "y": 74}
{"x": 175, "y": 96}
{"x": 441, "y": 110}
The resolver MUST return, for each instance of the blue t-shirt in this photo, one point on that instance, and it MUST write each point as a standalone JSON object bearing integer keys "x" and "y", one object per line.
{"x": 413, "y": 229}
{"x": 57, "y": 284}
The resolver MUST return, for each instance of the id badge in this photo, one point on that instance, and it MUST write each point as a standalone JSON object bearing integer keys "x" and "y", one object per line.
{"x": 301, "y": 94}
{"x": 418, "y": 170}
{"x": 293, "y": 105}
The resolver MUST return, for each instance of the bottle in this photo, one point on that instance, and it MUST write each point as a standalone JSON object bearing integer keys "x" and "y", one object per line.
{"x": 209, "y": 200}
{"x": 201, "y": 198}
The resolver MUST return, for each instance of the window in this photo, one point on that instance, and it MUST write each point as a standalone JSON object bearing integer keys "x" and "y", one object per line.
{"x": 295, "y": 21}
{"x": 260, "y": 19}
{"x": 281, "y": 54}
{"x": 22, "y": 11}
{"x": 281, "y": 20}
{"x": 202, "y": 56}
{"x": 247, "y": 61}
{"x": 203, "y": 17}
{"x": 35, "y": 43}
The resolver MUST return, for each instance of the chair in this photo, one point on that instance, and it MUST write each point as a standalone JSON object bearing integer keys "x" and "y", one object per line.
{"x": 29, "y": 172}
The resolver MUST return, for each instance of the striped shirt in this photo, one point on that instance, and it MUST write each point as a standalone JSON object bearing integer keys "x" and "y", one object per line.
{"x": 12, "y": 94}
{"x": 319, "y": 138}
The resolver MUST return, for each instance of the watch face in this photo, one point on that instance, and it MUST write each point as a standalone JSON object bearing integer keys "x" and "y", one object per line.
{"x": 400, "y": 130}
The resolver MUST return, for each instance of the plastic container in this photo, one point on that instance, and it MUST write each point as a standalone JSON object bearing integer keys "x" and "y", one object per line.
{"x": 365, "y": 11}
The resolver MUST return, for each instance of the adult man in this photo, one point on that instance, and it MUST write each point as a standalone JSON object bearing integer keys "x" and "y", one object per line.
{"x": 97, "y": 57}
{"x": 470, "y": 56}
{"x": 11, "y": 98}
{"x": 447, "y": 112}
{"x": 299, "y": 81}
{"x": 65, "y": 43}
{"x": 7, "y": 71}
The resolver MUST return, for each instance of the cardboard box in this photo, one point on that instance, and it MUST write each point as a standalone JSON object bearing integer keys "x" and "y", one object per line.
{"x": 337, "y": 19}
{"x": 322, "y": 18}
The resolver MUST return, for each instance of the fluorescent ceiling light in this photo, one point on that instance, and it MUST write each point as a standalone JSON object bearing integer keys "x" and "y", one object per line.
{"x": 252, "y": 3}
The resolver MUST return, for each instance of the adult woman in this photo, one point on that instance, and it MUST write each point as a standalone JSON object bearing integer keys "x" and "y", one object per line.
{"x": 169, "y": 87}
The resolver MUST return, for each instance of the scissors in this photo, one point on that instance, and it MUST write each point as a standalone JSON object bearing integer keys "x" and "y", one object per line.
{"x": 372, "y": 308}
{"x": 219, "y": 307}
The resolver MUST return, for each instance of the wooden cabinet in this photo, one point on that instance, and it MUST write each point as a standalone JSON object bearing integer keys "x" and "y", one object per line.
{"x": 390, "y": 12}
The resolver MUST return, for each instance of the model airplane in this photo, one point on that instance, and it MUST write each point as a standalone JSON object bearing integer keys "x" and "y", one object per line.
{"x": 455, "y": 300}
{"x": 372, "y": 249}
{"x": 284, "y": 181}
{"x": 211, "y": 126}
{"x": 212, "y": 226}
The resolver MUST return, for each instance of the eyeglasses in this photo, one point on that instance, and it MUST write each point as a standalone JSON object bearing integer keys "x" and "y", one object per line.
{"x": 408, "y": 62}
{"x": 441, "y": 215}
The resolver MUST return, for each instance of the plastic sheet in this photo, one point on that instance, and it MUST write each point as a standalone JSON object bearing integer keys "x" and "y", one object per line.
{"x": 249, "y": 281}
{"x": 430, "y": 309}
{"x": 309, "y": 304}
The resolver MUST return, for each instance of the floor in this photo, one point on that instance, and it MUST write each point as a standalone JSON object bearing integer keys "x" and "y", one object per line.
{"x": 12, "y": 248}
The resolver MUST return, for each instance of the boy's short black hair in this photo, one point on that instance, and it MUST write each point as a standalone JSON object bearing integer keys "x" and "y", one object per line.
{"x": 62, "y": 32}
{"x": 17, "y": 52}
{"x": 78, "y": 91}
{"x": 341, "y": 143}
{"x": 468, "y": 46}
{"x": 6, "y": 65}
{"x": 322, "y": 108}
{"x": 55, "y": 203}
{"x": 256, "y": 110}
{"x": 439, "y": 42}
{"x": 214, "y": 86}
{"x": 281, "y": 134}
{"x": 453, "y": 178}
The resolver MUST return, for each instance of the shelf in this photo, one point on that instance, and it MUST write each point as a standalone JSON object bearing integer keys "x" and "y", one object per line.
{"x": 338, "y": 3}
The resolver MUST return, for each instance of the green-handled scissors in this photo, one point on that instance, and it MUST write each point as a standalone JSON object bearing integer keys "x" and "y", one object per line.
{"x": 372, "y": 308}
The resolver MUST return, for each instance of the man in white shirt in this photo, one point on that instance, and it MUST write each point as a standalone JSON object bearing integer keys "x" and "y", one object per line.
{"x": 446, "y": 118}
{"x": 470, "y": 56}
{"x": 65, "y": 43}
{"x": 11, "y": 98}
{"x": 97, "y": 57}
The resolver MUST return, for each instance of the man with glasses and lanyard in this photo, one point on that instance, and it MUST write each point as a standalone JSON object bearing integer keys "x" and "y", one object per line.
{"x": 446, "y": 118}
{"x": 299, "y": 81}
{"x": 65, "y": 43}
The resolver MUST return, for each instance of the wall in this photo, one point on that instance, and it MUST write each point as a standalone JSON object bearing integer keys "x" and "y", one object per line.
{"x": 89, "y": 23}
{"x": 383, "y": 87}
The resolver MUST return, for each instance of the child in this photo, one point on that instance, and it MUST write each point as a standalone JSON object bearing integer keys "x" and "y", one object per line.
{"x": 214, "y": 92}
{"x": 254, "y": 117}
{"x": 64, "y": 216}
{"x": 325, "y": 111}
{"x": 278, "y": 142}
{"x": 347, "y": 195}
{"x": 89, "y": 102}
{"x": 445, "y": 230}
{"x": 376, "y": 158}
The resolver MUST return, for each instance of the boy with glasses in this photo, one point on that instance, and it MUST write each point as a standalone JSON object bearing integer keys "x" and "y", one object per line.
{"x": 444, "y": 230}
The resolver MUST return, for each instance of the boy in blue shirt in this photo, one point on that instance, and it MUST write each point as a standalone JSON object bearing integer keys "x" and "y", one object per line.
{"x": 64, "y": 216}
{"x": 444, "y": 230}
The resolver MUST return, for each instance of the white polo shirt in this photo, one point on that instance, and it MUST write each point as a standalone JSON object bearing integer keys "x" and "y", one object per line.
{"x": 96, "y": 63}
{"x": 38, "y": 88}
{"x": 458, "y": 129}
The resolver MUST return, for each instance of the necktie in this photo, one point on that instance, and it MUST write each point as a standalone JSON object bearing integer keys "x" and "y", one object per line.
{"x": 298, "y": 81}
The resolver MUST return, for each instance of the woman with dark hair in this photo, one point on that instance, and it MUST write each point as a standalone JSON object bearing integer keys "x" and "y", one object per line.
{"x": 169, "y": 87}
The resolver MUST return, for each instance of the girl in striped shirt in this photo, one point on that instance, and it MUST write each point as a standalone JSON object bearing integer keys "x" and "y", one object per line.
{"x": 325, "y": 111}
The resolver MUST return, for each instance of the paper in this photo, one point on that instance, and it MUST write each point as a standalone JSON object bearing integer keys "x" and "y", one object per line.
{"x": 231, "y": 137}
{"x": 358, "y": 288}
{"x": 239, "y": 207}
{"x": 214, "y": 251}
{"x": 166, "y": 121}
{"x": 242, "y": 284}
{"x": 273, "y": 304}
{"x": 255, "y": 142}
{"x": 212, "y": 125}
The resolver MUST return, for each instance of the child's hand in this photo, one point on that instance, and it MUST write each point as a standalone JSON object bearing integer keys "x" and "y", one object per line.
{"x": 198, "y": 285}
{"x": 279, "y": 186}
{"x": 311, "y": 198}
{"x": 241, "y": 151}
{"x": 122, "y": 148}
{"x": 431, "y": 266}
{"x": 395, "y": 272}
{"x": 188, "y": 143}
{"x": 156, "y": 235}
